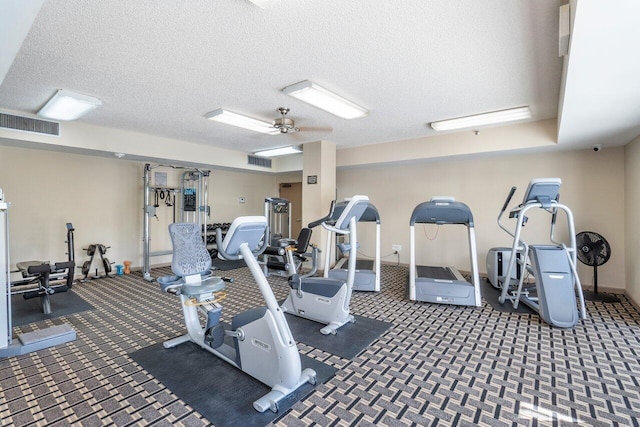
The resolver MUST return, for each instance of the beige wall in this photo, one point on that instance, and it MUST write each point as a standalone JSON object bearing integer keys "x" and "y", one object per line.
{"x": 530, "y": 135}
{"x": 103, "y": 198}
{"x": 592, "y": 187}
{"x": 632, "y": 227}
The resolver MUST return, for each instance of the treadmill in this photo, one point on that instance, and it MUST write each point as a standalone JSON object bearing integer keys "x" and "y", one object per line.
{"x": 367, "y": 277}
{"x": 443, "y": 285}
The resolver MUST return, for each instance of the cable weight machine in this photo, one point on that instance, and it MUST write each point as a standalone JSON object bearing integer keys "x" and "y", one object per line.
{"x": 190, "y": 199}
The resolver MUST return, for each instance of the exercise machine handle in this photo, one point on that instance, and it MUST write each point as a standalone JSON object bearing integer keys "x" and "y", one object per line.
{"x": 504, "y": 208}
{"x": 506, "y": 202}
{"x": 326, "y": 218}
{"x": 554, "y": 215}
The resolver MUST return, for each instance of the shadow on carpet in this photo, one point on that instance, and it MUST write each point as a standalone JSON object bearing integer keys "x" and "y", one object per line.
{"x": 226, "y": 265}
{"x": 220, "y": 392}
{"x": 25, "y": 311}
{"x": 349, "y": 341}
{"x": 491, "y": 295}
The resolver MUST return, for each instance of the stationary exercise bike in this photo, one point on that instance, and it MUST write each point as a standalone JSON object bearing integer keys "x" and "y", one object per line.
{"x": 263, "y": 345}
{"x": 326, "y": 300}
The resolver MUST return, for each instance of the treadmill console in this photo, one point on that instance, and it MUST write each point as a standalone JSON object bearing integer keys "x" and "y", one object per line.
{"x": 542, "y": 190}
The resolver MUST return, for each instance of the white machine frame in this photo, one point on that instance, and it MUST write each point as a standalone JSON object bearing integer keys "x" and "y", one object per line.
{"x": 326, "y": 300}
{"x": 199, "y": 216}
{"x": 264, "y": 345}
{"x": 363, "y": 280}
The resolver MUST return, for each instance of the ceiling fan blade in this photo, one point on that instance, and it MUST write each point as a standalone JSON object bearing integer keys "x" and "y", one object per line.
{"x": 325, "y": 129}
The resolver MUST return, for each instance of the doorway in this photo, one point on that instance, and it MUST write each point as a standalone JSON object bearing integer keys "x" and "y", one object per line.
{"x": 293, "y": 193}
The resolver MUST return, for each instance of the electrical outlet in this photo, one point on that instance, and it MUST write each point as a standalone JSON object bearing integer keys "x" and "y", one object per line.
{"x": 396, "y": 248}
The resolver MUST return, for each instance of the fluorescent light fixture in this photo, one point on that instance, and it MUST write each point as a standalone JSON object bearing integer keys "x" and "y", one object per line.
{"x": 320, "y": 97}
{"x": 68, "y": 105}
{"x": 477, "y": 120}
{"x": 241, "y": 121}
{"x": 280, "y": 151}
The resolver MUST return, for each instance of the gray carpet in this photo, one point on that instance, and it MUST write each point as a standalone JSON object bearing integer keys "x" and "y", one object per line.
{"x": 436, "y": 365}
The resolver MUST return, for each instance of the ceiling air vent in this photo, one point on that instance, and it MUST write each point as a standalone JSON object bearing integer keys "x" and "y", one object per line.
{"x": 27, "y": 124}
{"x": 259, "y": 161}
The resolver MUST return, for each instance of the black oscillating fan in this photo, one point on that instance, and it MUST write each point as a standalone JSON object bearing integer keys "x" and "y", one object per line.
{"x": 594, "y": 250}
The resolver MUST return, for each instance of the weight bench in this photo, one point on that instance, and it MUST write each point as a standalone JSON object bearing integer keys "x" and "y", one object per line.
{"x": 41, "y": 280}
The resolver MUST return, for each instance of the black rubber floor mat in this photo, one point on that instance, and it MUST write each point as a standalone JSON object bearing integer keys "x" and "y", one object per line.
{"x": 349, "y": 340}
{"x": 25, "y": 311}
{"x": 216, "y": 389}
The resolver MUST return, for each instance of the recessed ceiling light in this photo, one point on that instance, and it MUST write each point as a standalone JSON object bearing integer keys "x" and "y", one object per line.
{"x": 484, "y": 119}
{"x": 68, "y": 105}
{"x": 242, "y": 121}
{"x": 324, "y": 99}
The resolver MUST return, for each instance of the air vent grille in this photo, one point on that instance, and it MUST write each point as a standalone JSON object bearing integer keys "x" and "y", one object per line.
{"x": 259, "y": 161}
{"x": 28, "y": 124}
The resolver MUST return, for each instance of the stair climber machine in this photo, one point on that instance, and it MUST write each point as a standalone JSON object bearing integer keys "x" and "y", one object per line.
{"x": 326, "y": 300}
{"x": 262, "y": 344}
{"x": 29, "y": 341}
{"x": 443, "y": 285}
{"x": 367, "y": 277}
{"x": 553, "y": 295}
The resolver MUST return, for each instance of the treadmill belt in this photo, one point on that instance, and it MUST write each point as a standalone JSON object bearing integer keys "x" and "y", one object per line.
{"x": 364, "y": 264}
{"x": 440, "y": 273}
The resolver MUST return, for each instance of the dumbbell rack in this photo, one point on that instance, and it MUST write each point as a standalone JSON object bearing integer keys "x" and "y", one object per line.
{"x": 101, "y": 250}
{"x": 211, "y": 236}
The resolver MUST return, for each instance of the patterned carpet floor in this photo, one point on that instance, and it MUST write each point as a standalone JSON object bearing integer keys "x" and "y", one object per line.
{"x": 437, "y": 365}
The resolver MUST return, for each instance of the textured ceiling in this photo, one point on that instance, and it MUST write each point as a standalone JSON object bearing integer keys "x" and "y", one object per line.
{"x": 159, "y": 66}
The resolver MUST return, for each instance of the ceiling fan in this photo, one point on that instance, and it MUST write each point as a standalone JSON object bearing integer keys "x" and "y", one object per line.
{"x": 287, "y": 126}
{"x": 283, "y": 124}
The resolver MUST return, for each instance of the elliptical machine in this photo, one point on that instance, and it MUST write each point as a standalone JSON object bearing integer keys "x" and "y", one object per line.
{"x": 326, "y": 300}
{"x": 263, "y": 345}
{"x": 553, "y": 266}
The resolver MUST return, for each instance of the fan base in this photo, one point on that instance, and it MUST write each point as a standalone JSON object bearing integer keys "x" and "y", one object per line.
{"x": 599, "y": 296}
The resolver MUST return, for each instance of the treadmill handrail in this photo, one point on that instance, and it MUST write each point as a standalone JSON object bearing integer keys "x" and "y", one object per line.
{"x": 327, "y": 218}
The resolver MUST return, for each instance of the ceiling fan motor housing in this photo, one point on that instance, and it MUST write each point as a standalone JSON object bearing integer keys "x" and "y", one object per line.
{"x": 284, "y": 125}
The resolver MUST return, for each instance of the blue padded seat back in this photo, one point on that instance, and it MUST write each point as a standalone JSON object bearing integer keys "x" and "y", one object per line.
{"x": 190, "y": 255}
